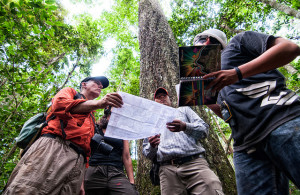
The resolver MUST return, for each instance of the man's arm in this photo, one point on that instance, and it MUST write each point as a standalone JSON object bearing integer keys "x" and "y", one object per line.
{"x": 195, "y": 127}
{"x": 127, "y": 161}
{"x": 280, "y": 52}
{"x": 110, "y": 99}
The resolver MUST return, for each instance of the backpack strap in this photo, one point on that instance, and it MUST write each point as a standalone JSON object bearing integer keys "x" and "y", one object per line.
{"x": 96, "y": 129}
{"x": 78, "y": 96}
{"x": 62, "y": 129}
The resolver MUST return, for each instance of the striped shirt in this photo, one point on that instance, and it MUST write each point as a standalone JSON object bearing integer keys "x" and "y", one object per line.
{"x": 179, "y": 144}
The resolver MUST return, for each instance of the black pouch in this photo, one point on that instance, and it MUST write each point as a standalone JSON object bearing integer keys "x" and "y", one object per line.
{"x": 154, "y": 173}
{"x": 227, "y": 114}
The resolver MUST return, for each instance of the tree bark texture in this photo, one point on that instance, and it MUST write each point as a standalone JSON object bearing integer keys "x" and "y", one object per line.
{"x": 159, "y": 52}
{"x": 159, "y": 67}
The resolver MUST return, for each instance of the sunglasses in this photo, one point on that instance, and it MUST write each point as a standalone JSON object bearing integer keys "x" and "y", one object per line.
{"x": 201, "y": 40}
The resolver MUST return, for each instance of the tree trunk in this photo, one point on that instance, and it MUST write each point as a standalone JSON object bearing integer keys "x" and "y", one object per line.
{"x": 160, "y": 68}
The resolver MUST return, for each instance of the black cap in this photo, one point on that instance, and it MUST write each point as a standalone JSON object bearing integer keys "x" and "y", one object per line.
{"x": 160, "y": 90}
{"x": 104, "y": 81}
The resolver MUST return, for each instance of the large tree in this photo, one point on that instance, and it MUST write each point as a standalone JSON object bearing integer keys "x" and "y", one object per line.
{"x": 159, "y": 67}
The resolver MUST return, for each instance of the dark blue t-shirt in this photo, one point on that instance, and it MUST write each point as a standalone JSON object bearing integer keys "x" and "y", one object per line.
{"x": 259, "y": 103}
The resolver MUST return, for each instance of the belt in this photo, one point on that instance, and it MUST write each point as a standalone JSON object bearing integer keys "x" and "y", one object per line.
{"x": 180, "y": 161}
{"x": 76, "y": 148}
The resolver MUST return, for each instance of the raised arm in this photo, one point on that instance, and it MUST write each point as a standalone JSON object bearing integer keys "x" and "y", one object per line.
{"x": 196, "y": 127}
{"x": 279, "y": 53}
{"x": 111, "y": 99}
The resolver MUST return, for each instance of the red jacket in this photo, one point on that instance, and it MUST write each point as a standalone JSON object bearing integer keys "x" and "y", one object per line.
{"x": 79, "y": 128}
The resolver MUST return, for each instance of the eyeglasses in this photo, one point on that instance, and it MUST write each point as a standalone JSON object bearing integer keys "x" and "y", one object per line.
{"x": 201, "y": 40}
{"x": 98, "y": 83}
{"x": 161, "y": 96}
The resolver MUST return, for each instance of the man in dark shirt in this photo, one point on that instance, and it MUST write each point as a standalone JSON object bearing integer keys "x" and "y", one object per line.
{"x": 262, "y": 113}
{"x": 105, "y": 175}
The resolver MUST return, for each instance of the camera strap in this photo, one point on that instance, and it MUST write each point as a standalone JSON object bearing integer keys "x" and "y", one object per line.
{"x": 100, "y": 132}
{"x": 96, "y": 129}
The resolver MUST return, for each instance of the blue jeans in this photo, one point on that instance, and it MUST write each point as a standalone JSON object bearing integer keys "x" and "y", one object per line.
{"x": 276, "y": 159}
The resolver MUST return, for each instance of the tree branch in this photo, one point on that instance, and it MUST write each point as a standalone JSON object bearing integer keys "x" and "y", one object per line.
{"x": 222, "y": 133}
{"x": 286, "y": 9}
{"x": 12, "y": 113}
{"x": 69, "y": 75}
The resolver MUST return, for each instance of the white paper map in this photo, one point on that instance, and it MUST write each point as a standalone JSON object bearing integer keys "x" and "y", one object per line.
{"x": 138, "y": 118}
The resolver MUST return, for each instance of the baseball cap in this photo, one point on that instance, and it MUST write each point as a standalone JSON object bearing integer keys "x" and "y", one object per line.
{"x": 104, "y": 81}
{"x": 160, "y": 90}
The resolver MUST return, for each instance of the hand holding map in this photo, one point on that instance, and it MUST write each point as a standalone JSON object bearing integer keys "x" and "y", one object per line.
{"x": 138, "y": 118}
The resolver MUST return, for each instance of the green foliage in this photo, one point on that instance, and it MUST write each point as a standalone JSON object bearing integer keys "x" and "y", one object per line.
{"x": 292, "y": 80}
{"x": 190, "y": 17}
{"x": 121, "y": 25}
{"x": 39, "y": 53}
{"x": 293, "y": 189}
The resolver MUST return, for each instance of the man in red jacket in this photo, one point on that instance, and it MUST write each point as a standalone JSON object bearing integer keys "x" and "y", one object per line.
{"x": 55, "y": 163}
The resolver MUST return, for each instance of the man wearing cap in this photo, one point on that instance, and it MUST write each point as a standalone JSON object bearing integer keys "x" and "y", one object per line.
{"x": 55, "y": 163}
{"x": 183, "y": 168}
{"x": 263, "y": 114}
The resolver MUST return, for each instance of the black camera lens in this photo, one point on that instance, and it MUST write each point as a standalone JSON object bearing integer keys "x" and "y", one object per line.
{"x": 98, "y": 144}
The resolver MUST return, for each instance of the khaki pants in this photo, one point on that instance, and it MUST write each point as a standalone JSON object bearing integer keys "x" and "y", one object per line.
{"x": 49, "y": 167}
{"x": 193, "y": 177}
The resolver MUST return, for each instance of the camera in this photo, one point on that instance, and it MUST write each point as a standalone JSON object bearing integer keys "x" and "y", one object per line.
{"x": 98, "y": 144}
